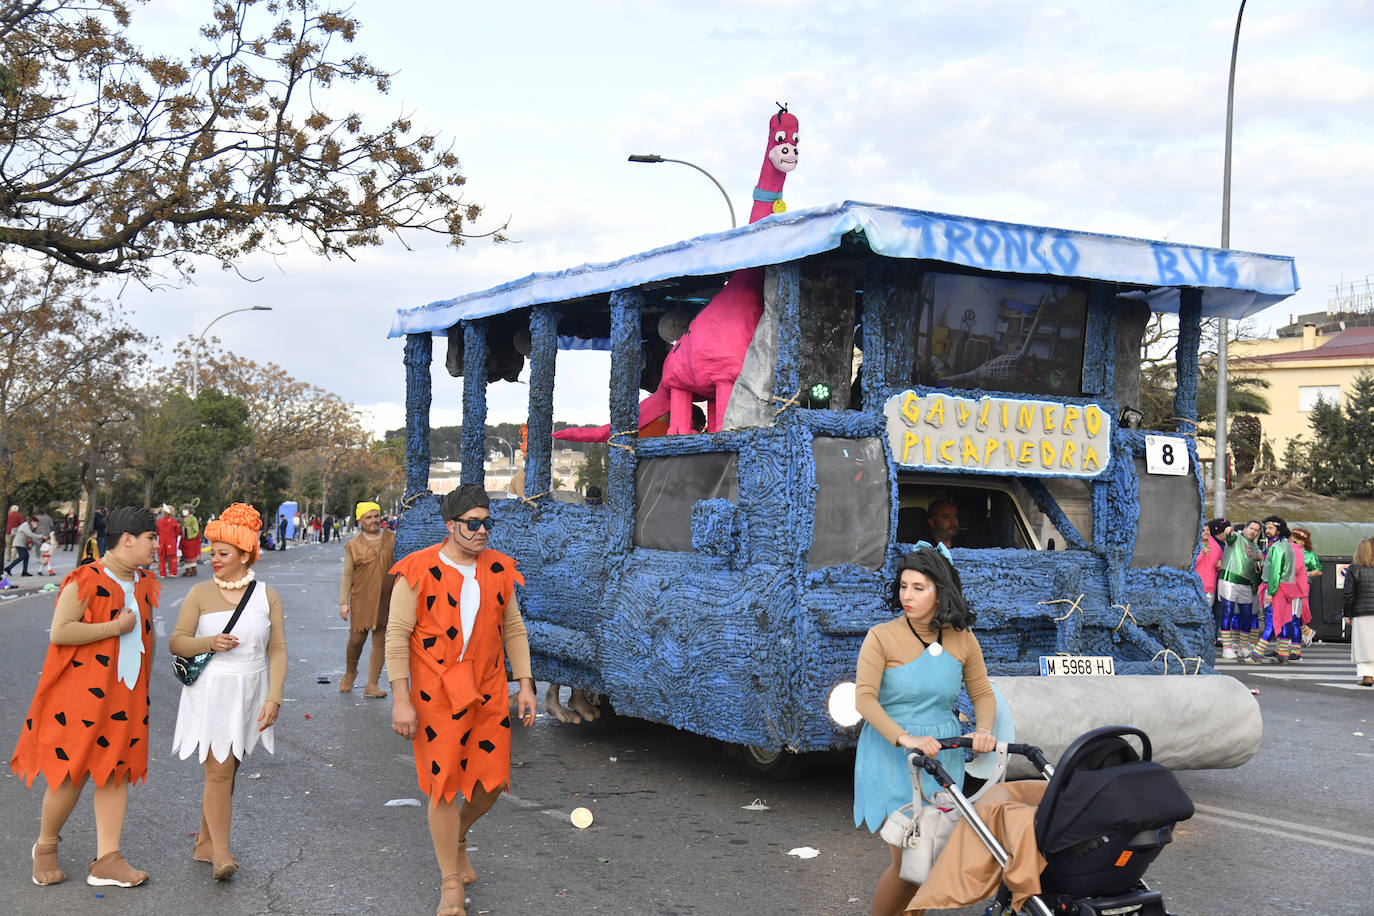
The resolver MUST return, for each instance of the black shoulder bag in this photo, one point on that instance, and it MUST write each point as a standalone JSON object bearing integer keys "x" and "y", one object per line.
{"x": 188, "y": 669}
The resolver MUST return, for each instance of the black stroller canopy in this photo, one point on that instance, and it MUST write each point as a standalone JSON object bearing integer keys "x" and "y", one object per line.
{"x": 1102, "y": 786}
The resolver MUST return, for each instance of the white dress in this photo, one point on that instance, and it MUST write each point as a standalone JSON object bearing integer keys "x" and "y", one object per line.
{"x": 219, "y": 712}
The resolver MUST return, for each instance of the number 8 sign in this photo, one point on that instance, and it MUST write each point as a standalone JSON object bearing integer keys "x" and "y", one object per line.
{"x": 1166, "y": 455}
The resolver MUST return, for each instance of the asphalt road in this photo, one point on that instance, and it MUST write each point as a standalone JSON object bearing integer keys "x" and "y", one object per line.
{"x": 1290, "y": 832}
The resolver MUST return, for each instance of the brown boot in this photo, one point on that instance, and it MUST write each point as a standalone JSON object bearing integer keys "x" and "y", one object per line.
{"x": 373, "y": 692}
{"x": 45, "y": 868}
{"x": 452, "y": 900}
{"x": 110, "y": 870}
{"x": 346, "y": 682}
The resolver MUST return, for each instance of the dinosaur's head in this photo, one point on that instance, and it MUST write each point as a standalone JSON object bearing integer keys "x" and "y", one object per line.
{"x": 782, "y": 140}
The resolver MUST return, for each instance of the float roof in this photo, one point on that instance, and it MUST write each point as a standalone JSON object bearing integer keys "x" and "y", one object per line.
{"x": 1234, "y": 284}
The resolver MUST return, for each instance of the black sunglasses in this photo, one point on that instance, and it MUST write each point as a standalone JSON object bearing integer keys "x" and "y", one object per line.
{"x": 474, "y": 523}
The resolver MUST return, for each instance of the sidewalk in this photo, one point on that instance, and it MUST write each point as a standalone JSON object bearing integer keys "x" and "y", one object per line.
{"x": 63, "y": 562}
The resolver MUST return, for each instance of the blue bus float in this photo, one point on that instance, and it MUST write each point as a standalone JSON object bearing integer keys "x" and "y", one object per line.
{"x": 903, "y": 357}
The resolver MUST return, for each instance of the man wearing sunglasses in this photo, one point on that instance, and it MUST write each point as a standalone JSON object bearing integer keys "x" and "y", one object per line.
{"x": 454, "y": 623}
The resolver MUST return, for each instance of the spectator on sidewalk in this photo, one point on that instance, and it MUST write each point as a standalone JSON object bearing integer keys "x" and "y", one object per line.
{"x": 12, "y": 521}
{"x": 25, "y": 537}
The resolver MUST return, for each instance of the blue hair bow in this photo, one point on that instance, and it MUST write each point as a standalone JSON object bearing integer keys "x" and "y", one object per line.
{"x": 938, "y": 545}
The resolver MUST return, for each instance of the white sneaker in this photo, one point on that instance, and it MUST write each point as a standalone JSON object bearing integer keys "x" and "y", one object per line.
{"x": 1228, "y": 652}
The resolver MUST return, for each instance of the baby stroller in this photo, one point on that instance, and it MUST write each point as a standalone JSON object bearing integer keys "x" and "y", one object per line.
{"x": 1106, "y": 814}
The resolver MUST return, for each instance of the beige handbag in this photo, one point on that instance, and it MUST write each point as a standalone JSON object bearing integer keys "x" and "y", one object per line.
{"x": 921, "y": 829}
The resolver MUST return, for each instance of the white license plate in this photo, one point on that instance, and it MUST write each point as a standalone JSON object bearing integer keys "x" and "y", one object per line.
{"x": 1072, "y": 665}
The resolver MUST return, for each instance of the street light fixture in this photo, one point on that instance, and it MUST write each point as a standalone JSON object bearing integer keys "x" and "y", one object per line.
{"x": 508, "y": 446}
{"x": 200, "y": 342}
{"x": 654, "y": 157}
{"x": 1219, "y": 462}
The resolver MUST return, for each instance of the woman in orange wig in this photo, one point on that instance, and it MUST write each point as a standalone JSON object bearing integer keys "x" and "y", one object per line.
{"x": 235, "y": 701}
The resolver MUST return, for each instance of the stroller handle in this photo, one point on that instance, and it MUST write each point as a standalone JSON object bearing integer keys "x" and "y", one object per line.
{"x": 932, "y": 766}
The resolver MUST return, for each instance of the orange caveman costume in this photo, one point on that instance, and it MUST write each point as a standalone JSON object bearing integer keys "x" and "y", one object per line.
{"x": 89, "y": 715}
{"x": 83, "y": 719}
{"x": 454, "y": 620}
{"x": 462, "y": 703}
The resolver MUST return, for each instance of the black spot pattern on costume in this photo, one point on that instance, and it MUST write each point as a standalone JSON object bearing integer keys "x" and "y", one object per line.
{"x": 100, "y": 590}
{"x": 145, "y": 720}
{"x": 102, "y": 741}
{"x": 424, "y": 696}
{"x": 28, "y": 723}
{"x": 104, "y": 660}
{"x": 61, "y": 754}
{"x": 459, "y": 714}
{"x": 429, "y": 602}
{"x": 429, "y": 641}
{"x": 114, "y": 614}
{"x": 463, "y": 763}
{"x": 501, "y": 599}
{"x": 436, "y": 572}
{"x": 497, "y": 567}
{"x": 61, "y": 718}
{"x": 505, "y": 723}
{"x": 452, "y": 601}
{"x": 464, "y": 740}
{"x": 77, "y": 664}
{"x": 87, "y": 722}
{"x": 120, "y": 716}
{"x": 486, "y": 745}
{"x": 452, "y": 632}
{"x": 97, "y": 692}
{"x": 486, "y": 698}
{"x": 132, "y": 742}
{"x": 430, "y": 733}
{"x": 147, "y": 625}
{"x": 434, "y": 767}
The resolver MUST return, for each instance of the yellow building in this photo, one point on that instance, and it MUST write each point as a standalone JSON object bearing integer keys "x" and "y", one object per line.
{"x": 1301, "y": 371}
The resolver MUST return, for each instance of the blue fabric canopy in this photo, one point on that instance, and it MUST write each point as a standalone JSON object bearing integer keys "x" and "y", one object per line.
{"x": 1234, "y": 283}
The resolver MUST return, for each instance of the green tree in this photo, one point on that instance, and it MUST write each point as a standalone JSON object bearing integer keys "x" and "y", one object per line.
{"x": 1297, "y": 462}
{"x": 1328, "y": 464}
{"x": 593, "y": 471}
{"x": 1359, "y": 435}
{"x": 114, "y": 160}
{"x": 197, "y": 466}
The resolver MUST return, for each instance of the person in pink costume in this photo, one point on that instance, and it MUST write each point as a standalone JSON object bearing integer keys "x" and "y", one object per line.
{"x": 1208, "y": 565}
{"x": 707, "y": 359}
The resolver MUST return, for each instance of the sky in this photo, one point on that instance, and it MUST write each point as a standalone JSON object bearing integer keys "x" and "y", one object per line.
{"x": 1097, "y": 116}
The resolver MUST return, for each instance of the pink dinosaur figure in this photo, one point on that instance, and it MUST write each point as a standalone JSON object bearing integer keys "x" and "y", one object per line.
{"x": 707, "y": 359}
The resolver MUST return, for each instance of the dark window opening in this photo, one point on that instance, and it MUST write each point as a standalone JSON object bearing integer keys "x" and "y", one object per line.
{"x": 853, "y": 503}
{"x": 666, "y": 488}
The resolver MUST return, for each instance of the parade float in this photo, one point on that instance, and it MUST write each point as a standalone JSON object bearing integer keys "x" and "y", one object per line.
{"x": 858, "y": 362}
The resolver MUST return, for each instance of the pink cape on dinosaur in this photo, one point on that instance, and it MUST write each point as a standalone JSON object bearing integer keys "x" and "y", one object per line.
{"x": 707, "y": 359}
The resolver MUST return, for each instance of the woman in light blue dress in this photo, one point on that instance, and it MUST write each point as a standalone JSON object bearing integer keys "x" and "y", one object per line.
{"x": 909, "y": 674}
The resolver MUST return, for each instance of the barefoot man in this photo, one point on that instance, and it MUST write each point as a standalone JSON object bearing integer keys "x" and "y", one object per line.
{"x": 454, "y": 622}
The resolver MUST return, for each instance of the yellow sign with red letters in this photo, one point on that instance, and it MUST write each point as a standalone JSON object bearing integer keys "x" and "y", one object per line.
{"x": 995, "y": 435}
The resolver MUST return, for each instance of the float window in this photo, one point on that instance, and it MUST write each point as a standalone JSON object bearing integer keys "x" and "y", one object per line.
{"x": 999, "y": 334}
{"x": 666, "y": 488}
{"x": 853, "y": 503}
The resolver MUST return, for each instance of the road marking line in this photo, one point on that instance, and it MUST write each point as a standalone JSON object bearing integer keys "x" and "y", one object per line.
{"x": 1290, "y": 829}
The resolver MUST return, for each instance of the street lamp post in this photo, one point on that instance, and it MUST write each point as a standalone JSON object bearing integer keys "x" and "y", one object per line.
{"x": 1219, "y": 463}
{"x": 653, "y": 157}
{"x": 200, "y": 342}
{"x": 509, "y": 447}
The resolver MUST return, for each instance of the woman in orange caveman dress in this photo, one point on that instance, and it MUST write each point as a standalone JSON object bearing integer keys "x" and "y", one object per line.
{"x": 453, "y": 622}
{"x": 89, "y": 716}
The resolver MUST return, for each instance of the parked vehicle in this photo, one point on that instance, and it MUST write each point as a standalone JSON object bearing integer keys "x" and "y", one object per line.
{"x": 727, "y": 580}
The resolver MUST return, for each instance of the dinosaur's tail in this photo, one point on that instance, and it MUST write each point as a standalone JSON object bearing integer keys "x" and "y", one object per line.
{"x": 652, "y": 408}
